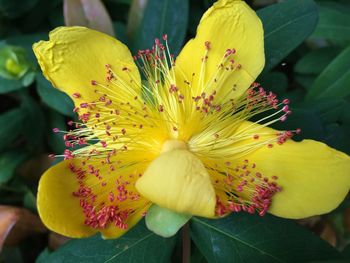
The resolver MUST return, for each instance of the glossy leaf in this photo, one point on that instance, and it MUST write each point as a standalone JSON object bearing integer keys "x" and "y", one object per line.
{"x": 250, "y": 238}
{"x": 7, "y": 85}
{"x": 8, "y": 163}
{"x": 276, "y": 82}
{"x": 333, "y": 81}
{"x": 34, "y": 124}
{"x": 54, "y": 98}
{"x": 138, "y": 245}
{"x": 316, "y": 61}
{"x": 11, "y": 123}
{"x": 56, "y": 141}
{"x": 334, "y": 23}
{"x": 308, "y": 121}
{"x": 162, "y": 17}
{"x": 286, "y": 26}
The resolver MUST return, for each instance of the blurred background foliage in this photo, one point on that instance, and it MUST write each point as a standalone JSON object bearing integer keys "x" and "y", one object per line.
{"x": 307, "y": 61}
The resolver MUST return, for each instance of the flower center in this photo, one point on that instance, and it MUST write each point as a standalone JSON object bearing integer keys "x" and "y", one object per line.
{"x": 171, "y": 145}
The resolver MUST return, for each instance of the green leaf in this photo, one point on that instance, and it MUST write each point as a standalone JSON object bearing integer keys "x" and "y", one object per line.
{"x": 7, "y": 85}
{"x": 276, "y": 82}
{"x": 333, "y": 81}
{"x": 162, "y": 17}
{"x": 334, "y": 23}
{"x": 250, "y": 238}
{"x": 337, "y": 137}
{"x": 8, "y": 163}
{"x": 56, "y": 141}
{"x": 308, "y": 121}
{"x": 11, "y": 123}
{"x": 34, "y": 124}
{"x": 15, "y": 8}
{"x": 316, "y": 61}
{"x": 138, "y": 245}
{"x": 29, "y": 201}
{"x": 305, "y": 80}
{"x": 54, "y": 98}
{"x": 286, "y": 26}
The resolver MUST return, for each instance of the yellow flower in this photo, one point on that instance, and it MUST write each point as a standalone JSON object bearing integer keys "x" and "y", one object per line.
{"x": 183, "y": 139}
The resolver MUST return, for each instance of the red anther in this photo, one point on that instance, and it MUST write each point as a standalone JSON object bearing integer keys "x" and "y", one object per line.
{"x": 76, "y": 95}
{"x": 285, "y": 108}
{"x": 283, "y": 118}
{"x": 123, "y": 131}
{"x": 124, "y": 68}
{"x": 285, "y": 101}
{"x": 165, "y": 37}
{"x": 52, "y": 156}
{"x": 93, "y": 82}
{"x": 207, "y": 45}
{"x": 56, "y": 130}
{"x": 173, "y": 88}
{"x": 70, "y": 123}
{"x": 104, "y": 144}
{"x": 298, "y": 131}
{"x": 157, "y": 42}
{"x": 255, "y": 136}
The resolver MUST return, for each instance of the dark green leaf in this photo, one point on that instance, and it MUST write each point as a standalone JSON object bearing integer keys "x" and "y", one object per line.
{"x": 56, "y": 141}
{"x": 316, "y": 61}
{"x": 29, "y": 201}
{"x": 7, "y": 85}
{"x": 15, "y": 8}
{"x": 162, "y": 17}
{"x": 8, "y": 163}
{"x": 333, "y": 81}
{"x": 34, "y": 124}
{"x": 305, "y": 80}
{"x": 337, "y": 137}
{"x": 308, "y": 121}
{"x": 11, "y": 123}
{"x": 54, "y": 98}
{"x": 250, "y": 238}
{"x": 138, "y": 245}
{"x": 286, "y": 26}
{"x": 334, "y": 23}
{"x": 328, "y": 109}
{"x": 276, "y": 82}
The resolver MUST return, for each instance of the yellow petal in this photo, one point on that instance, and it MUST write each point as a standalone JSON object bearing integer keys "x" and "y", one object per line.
{"x": 76, "y": 56}
{"x": 57, "y": 207}
{"x": 314, "y": 177}
{"x": 112, "y": 232}
{"x": 226, "y": 25}
{"x": 177, "y": 180}
{"x": 61, "y": 211}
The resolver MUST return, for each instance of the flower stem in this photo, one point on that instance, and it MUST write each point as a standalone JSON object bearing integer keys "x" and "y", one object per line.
{"x": 186, "y": 243}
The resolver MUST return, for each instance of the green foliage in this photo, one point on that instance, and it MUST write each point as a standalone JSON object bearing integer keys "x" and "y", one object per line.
{"x": 54, "y": 98}
{"x": 334, "y": 79}
{"x": 250, "y": 238}
{"x": 286, "y": 26}
{"x": 138, "y": 245}
{"x": 161, "y": 17}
